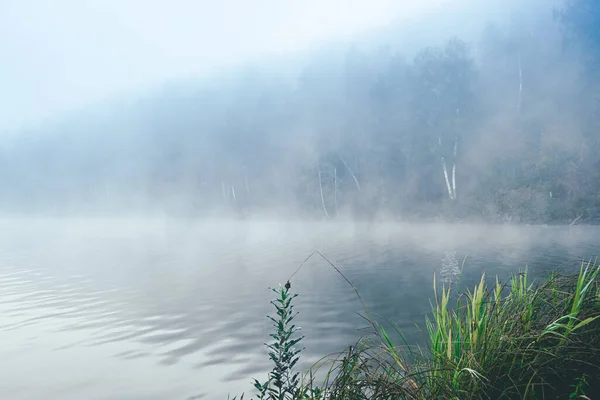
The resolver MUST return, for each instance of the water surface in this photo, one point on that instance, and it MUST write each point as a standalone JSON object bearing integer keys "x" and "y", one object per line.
{"x": 167, "y": 309}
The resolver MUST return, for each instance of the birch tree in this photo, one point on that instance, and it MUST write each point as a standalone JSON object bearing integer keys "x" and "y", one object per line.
{"x": 443, "y": 89}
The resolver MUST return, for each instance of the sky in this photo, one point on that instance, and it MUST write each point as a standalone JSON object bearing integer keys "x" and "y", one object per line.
{"x": 57, "y": 56}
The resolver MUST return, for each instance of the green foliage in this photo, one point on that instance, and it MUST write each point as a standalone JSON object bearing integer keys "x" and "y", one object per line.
{"x": 516, "y": 343}
{"x": 283, "y": 382}
{"x": 519, "y": 340}
{"x": 578, "y": 388}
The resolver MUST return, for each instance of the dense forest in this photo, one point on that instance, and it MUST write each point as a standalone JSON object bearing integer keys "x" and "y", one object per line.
{"x": 503, "y": 127}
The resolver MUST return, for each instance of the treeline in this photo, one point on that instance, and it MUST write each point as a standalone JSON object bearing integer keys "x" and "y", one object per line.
{"x": 505, "y": 127}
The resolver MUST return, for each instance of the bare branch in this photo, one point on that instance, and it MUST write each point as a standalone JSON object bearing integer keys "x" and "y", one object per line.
{"x": 321, "y": 190}
{"x": 349, "y": 170}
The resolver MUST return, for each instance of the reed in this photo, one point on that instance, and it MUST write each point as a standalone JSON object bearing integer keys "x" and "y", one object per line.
{"x": 517, "y": 340}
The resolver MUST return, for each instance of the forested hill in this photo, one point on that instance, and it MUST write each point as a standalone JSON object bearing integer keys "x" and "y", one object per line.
{"x": 504, "y": 126}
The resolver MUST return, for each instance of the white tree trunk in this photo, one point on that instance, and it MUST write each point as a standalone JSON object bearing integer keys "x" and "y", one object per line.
{"x": 520, "y": 86}
{"x": 454, "y": 180}
{"x": 454, "y": 168}
{"x": 448, "y": 186}
{"x": 575, "y": 220}
{"x": 322, "y": 198}
{"x": 335, "y": 190}
{"x": 224, "y": 191}
{"x": 349, "y": 170}
{"x": 246, "y": 182}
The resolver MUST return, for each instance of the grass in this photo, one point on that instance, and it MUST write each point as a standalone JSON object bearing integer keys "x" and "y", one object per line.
{"x": 517, "y": 340}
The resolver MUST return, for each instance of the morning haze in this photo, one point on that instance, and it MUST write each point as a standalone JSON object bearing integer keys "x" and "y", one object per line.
{"x": 157, "y": 158}
{"x": 352, "y": 128}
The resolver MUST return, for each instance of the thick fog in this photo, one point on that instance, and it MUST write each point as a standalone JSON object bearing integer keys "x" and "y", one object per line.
{"x": 449, "y": 111}
{"x": 61, "y": 54}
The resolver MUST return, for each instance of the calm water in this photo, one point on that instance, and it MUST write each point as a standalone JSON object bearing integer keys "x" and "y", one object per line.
{"x": 161, "y": 309}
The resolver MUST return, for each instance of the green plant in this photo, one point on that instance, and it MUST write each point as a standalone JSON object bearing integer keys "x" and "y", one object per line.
{"x": 515, "y": 341}
{"x": 519, "y": 340}
{"x": 578, "y": 391}
{"x": 283, "y": 382}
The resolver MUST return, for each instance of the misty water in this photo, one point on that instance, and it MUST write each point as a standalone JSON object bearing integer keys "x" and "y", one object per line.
{"x": 167, "y": 309}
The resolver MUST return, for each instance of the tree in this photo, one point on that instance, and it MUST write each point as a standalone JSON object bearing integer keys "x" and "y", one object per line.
{"x": 443, "y": 94}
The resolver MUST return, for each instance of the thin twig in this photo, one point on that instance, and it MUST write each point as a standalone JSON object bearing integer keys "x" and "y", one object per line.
{"x": 317, "y": 252}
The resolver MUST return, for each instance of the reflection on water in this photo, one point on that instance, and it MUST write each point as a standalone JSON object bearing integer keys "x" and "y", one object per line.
{"x": 450, "y": 269}
{"x": 157, "y": 310}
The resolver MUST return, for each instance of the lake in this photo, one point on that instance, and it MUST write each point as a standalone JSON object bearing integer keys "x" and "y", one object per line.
{"x": 172, "y": 309}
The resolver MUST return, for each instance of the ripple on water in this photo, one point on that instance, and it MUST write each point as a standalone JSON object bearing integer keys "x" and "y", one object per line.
{"x": 150, "y": 316}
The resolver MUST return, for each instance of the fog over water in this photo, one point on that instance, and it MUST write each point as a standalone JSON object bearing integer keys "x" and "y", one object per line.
{"x": 153, "y": 309}
{"x": 162, "y": 165}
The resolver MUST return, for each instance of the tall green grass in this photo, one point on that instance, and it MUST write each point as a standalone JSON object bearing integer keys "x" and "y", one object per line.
{"x": 517, "y": 340}
{"x": 522, "y": 340}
